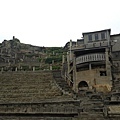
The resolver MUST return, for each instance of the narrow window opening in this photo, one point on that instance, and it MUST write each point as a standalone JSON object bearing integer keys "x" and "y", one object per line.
{"x": 103, "y": 73}
{"x": 90, "y": 37}
{"x": 96, "y": 36}
{"x": 102, "y": 36}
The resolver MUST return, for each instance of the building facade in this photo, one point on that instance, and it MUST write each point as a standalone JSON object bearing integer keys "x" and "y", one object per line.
{"x": 90, "y": 62}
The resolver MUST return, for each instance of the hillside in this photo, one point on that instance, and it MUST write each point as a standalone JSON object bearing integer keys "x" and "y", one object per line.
{"x": 15, "y": 55}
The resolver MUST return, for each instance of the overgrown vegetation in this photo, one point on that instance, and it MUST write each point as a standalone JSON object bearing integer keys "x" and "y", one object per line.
{"x": 50, "y": 60}
{"x": 54, "y": 57}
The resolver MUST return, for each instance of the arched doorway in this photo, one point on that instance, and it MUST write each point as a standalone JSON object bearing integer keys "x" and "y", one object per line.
{"x": 83, "y": 85}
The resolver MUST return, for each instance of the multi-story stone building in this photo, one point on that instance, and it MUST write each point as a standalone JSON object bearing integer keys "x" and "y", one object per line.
{"x": 92, "y": 61}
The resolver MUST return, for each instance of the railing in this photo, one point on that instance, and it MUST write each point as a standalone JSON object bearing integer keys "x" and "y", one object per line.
{"x": 90, "y": 45}
{"x": 68, "y": 78}
{"x": 90, "y": 57}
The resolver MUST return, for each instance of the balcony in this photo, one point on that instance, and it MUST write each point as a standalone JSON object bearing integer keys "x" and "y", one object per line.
{"x": 90, "y": 58}
{"x": 90, "y": 45}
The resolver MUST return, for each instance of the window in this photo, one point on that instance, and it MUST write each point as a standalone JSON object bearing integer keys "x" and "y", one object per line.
{"x": 96, "y": 36}
{"x": 103, "y": 73}
{"x": 90, "y": 37}
{"x": 102, "y": 35}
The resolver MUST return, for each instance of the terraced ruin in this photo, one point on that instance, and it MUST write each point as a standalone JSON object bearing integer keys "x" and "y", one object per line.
{"x": 41, "y": 96}
{"x": 36, "y": 94}
{"x": 77, "y": 82}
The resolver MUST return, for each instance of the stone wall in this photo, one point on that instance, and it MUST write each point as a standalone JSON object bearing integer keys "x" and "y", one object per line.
{"x": 93, "y": 79}
{"x": 115, "y": 45}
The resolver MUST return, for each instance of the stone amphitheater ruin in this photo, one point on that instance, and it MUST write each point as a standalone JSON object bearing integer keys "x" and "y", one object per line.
{"x": 87, "y": 87}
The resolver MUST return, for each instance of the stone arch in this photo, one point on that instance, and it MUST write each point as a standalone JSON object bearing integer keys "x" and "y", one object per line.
{"x": 83, "y": 85}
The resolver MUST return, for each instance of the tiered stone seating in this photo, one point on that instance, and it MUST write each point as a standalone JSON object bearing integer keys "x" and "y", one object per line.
{"x": 27, "y": 87}
{"x": 115, "y": 93}
{"x": 92, "y": 104}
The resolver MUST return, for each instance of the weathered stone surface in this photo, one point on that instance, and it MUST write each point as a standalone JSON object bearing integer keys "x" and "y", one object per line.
{"x": 27, "y": 87}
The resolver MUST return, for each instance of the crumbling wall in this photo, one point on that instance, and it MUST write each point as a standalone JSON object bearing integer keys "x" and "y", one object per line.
{"x": 94, "y": 79}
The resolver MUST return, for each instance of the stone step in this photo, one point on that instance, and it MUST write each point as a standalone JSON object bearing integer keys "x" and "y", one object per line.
{"x": 62, "y": 83}
{"x": 28, "y": 87}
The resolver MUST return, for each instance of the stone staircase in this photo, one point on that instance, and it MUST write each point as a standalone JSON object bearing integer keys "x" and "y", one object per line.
{"x": 28, "y": 87}
{"x": 34, "y": 95}
{"x": 62, "y": 84}
{"x": 93, "y": 107}
{"x": 116, "y": 84}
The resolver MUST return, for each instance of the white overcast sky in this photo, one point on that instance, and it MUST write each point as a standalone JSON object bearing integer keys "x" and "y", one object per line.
{"x": 54, "y": 22}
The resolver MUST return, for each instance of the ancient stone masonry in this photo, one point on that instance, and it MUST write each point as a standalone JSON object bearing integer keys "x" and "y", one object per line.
{"x": 91, "y": 63}
{"x": 86, "y": 88}
{"x": 49, "y": 107}
{"x": 27, "y": 86}
{"x": 34, "y": 94}
{"x": 93, "y": 72}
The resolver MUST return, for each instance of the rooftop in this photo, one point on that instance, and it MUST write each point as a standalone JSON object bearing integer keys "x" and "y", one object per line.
{"x": 97, "y": 31}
